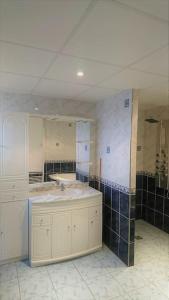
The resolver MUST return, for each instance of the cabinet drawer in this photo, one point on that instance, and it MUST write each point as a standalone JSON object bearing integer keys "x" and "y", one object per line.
{"x": 41, "y": 220}
{"x": 17, "y": 185}
{"x": 13, "y": 196}
{"x": 94, "y": 211}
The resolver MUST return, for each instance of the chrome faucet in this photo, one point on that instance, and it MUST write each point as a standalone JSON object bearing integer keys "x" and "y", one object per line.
{"x": 62, "y": 187}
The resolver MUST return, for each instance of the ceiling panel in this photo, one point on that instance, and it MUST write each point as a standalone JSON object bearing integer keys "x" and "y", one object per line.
{"x": 132, "y": 79}
{"x": 157, "y": 63}
{"x": 25, "y": 60}
{"x": 157, "y": 8}
{"x": 66, "y": 67}
{"x": 58, "y": 89}
{"x": 117, "y": 34}
{"x": 97, "y": 94}
{"x": 44, "y": 24}
{"x": 16, "y": 83}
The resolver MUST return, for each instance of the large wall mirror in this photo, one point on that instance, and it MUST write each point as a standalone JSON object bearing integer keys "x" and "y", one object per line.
{"x": 60, "y": 148}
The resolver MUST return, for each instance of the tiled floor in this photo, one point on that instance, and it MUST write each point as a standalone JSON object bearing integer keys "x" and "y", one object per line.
{"x": 100, "y": 276}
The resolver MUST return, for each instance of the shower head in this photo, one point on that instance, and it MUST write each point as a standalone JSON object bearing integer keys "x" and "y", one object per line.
{"x": 151, "y": 120}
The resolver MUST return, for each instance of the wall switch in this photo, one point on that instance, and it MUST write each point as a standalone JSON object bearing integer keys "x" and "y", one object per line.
{"x": 108, "y": 149}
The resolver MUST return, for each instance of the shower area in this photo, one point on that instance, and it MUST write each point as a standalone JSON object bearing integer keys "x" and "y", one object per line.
{"x": 152, "y": 186}
{"x": 161, "y": 164}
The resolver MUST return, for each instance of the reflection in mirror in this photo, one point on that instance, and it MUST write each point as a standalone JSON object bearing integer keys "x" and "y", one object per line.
{"x": 59, "y": 149}
{"x": 84, "y": 149}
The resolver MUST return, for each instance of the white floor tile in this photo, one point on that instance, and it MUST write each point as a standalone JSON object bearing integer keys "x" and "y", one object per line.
{"x": 99, "y": 276}
{"x": 90, "y": 267}
{"x": 24, "y": 269}
{"x": 77, "y": 292}
{"x": 105, "y": 287}
{"x": 147, "y": 293}
{"x": 8, "y": 272}
{"x": 9, "y": 290}
{"x": 37, "y": 284}
{"x": 26, "y": 296}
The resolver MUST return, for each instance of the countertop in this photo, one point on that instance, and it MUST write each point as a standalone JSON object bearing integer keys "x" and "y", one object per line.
{"x": 46, "y": 193}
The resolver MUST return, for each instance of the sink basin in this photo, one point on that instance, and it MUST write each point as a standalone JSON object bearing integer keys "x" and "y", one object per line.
{"x": 50, "y": 192}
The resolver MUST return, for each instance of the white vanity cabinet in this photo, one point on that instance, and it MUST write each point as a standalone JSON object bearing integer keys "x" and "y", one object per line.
{"x": 61, "y": 231}
{"x": 95, "y": 226}
{"x": 64, "y": 229}
{"x": 80, "y": 230}
{"x": 13, "y": 186}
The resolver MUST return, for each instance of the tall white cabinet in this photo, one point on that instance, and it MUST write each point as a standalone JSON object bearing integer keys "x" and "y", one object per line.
{"x": 13, "y": 186}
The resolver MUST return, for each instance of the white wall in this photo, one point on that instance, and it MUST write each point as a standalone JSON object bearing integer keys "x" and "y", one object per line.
{"x": 36, "y": 144}
{"x": 114, "y": 129}
{"x": 60, "y": 140}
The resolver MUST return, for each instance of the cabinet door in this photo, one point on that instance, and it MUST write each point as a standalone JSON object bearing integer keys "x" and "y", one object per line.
{"x": 79, "y": 230}
{"x": 14, "y": 229}
{"x": 61, "y": 235}
{"x": 95, "y": 232}
{"x": 41, "y": 242}
{"x": 14, "y": 144}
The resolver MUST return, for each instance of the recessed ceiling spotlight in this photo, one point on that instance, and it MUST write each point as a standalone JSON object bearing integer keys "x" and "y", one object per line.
{"x": 36, "y": 108}
{"x": 80, "y": 73}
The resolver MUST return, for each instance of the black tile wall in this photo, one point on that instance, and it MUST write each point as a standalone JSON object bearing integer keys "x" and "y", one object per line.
{"x": 151, "y": 184}
{"x": 51, "y": 167}
{"x": 166, "y": 224}
{"x": 115, "y": 219}
{"x": 114, "y": 242}
{"x": 124, "y": 251}
{"x": 107, "y": 192}
{"x": 152, "y": 202}
{"x": 118, "y": 220}
{"x": 115, "y": 200}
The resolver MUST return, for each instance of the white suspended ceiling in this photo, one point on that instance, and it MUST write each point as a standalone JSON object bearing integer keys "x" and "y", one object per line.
{"x": 117, "y": 44}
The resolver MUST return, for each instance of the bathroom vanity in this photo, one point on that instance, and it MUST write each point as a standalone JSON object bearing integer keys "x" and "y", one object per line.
{"x": 64, "y": 224}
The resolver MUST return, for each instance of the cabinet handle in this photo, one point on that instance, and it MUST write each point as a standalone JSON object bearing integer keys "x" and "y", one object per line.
{"x": 74, "y": 226}
{"x": 41, "y": 221}
{"x": 91, "y": 222}
{"x": 47, "y": 231}
{"x": 96, "y": 211}
{"x": 2, "y": 233}
{"x": 68, "y": 228}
